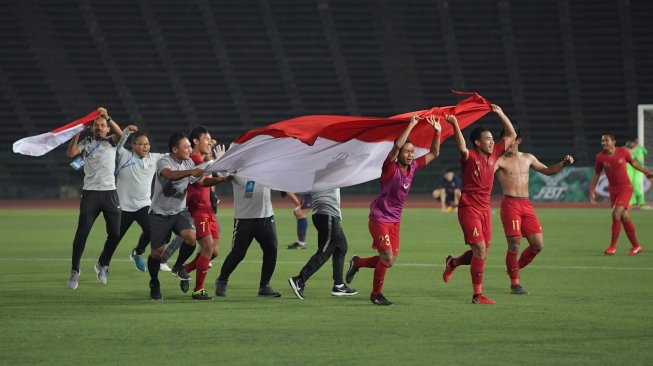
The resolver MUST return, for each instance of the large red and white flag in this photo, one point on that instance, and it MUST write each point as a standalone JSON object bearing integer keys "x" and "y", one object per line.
{"x": 321, "y": 152}
{"x": 41, "y": 144}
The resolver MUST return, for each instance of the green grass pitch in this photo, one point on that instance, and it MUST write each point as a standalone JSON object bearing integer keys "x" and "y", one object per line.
{"x": 584, "y": 308}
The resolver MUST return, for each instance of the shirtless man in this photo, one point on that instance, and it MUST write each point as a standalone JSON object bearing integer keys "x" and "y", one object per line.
{"x": 517, "y": 213}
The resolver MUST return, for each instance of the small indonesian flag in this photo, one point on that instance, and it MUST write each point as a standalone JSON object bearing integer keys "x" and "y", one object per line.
{"x": 320, "y": 152}
{"x": 41, "y": 144}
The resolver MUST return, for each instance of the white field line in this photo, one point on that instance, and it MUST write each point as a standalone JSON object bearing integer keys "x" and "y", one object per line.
{"x": 397, "y": 264}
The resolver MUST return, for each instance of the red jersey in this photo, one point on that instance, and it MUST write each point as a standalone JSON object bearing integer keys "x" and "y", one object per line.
{"x": 478, "y": 177}
{"x": 614, "y": 167}
{"x": 198, "y": 198}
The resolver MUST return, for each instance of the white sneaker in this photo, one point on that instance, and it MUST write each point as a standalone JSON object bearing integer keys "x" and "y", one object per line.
{"x": 101, "y": 272}
{"x": 164, "y": 267}
{"x": 73, "y": 280}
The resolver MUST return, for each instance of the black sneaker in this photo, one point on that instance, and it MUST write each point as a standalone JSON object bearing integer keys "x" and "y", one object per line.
{"x": 155, "y": 291}
{"x": 296, "y": 245}
{"x": 179, "y": 271}
{"x": 352, "y": 269}
{"x": 201, "y": 295}
{"x": 343, "y": 290}
{"x": 297, "y": 286}
{"x": 220, "y": 288}
{"x": 267, "y": 291}
{"x": 380, "y": 300}
{"x": 184, "y": 285}
{"x": 518, "y": 290}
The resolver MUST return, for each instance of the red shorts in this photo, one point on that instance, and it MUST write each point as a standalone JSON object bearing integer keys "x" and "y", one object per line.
{"x": 476, "y": 224}
{"x": 205, "y": 224}
{"x": 385, "y": 236}
{"x": 621, "y": 196}
{"x": 518, "y": 217}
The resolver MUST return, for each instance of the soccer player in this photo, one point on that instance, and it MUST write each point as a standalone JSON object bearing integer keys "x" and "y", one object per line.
{"x": 198, "y": 199}
{"x": 517, "y": 214}
{"x": 99, "y": 191}
{"x": 168, "y": 212}
{"x": 448, "y": 192}
{"x": 397, "y": 173}
{"x": 474, "y": 215}
{"x": 612, "y": 160}
{"x": 637, "y": 151}
{"x": 331, "y": 241}
{"x": 253, "y": 219}
{"x": 134, "y": 172}
{"x": 301, "y": 208}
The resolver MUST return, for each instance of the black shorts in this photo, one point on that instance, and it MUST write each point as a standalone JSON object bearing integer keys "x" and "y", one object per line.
{"x": 162, "y": 227}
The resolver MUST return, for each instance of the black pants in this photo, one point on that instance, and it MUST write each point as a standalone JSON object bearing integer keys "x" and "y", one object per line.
{"x": 245, "y": 230}
{"x": 90, "y": 206}
{"x": 127, "y": 218}
{"x": 331, "y": 240}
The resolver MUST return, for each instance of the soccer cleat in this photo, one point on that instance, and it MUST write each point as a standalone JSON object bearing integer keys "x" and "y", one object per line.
{"x": 297, "y": 286}
{"x": 164, "y": 267}
{"x": 201, "y": 295}
{"x": 296, "y": 245}
{"x": 635, "y": 250}
{"x": 343, "y": 290}
{"x": 155, "y": 291}
{"x": 181, "y": 273}
{"x": 448, "y": 269}
{"x": 138, "y": 261}
{"x": 380, "y": 300}
{"x": 101, "y": 272}
{"x": 611, "y": 250}
{"x": 481, "y": 300}
{"x": 184, "y": 285}
{"x": 518, "y": 290}
{"x": 351, "y": 272}
{"x": 220, "y": 288}
{"x": 73, "y": 280}
{"x": 267, "y": 291}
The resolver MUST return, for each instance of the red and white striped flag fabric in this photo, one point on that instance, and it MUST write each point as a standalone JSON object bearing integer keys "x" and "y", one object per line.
{"x": 321, "y": 152}
{"x": 41, "y": 144}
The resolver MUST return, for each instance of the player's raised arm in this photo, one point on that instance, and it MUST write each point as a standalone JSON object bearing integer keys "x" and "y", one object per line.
{"x": 401, "y": 140}
{"x": 509, "y": 135}
{"x": 435, "y": 144}
{"x": 550, "y": 170}
{"x": 460, "y": 140}
{"x": 73, "y": 149}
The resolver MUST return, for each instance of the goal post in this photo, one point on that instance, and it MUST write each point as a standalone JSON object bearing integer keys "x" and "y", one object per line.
{"x": 645, "y": 131}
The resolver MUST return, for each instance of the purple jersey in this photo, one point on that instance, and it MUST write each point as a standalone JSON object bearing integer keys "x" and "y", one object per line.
{"x": 389, "y": 203}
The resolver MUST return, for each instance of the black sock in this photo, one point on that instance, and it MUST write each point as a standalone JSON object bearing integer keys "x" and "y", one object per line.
{"x": 185, "y": 252}
{"x": 153, "y": 267}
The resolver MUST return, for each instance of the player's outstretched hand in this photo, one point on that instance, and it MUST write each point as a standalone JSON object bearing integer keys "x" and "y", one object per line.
{"x": 197, "y": 172}
{"x": 414, "y": 119}
{"x": 592, "y": 198}
{"x": 451, "y": 119}
{"x": 568, "y": 160}
{"x": 434, "y": 122}
{"x": 217, "y": 151}
{"x": 132, "y": 128}
{"x": 496, "y": 109}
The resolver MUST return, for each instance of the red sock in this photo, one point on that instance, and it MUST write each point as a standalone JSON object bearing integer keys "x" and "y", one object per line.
{"x": 629, "y": 228}
{"x": 202, "y": 269}
{"x": 190, "y": 266}
{"x": 379, "y": 276}
{"x": 513, "y": 267}
{"x": 616, "y": 230}
{"x": 527, "y": 256}
{"x": 476, "y": 270}
{"x": 369, "y": 262}
{"x": 464, "y": 260}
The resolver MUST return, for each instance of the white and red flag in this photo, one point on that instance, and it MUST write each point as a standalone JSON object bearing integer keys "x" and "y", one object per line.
{"x": 41, "y": 144}
{"x": 321, "y": 152}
